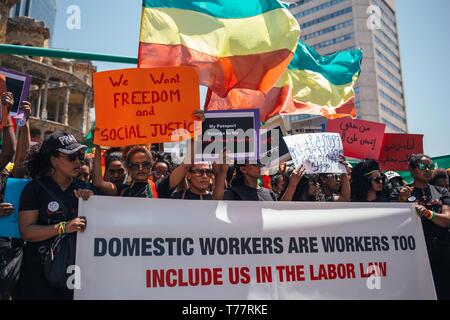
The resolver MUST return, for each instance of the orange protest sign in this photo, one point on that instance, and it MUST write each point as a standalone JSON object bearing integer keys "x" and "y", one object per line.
{"x": 143, "y": 106}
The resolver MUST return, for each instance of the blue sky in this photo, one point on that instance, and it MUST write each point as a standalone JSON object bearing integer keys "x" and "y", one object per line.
{"x": 424, "y": 44}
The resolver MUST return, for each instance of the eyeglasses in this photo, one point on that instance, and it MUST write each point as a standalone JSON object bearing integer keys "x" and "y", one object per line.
{"x": 380, "y": 179}
{"x": 116, "y": 171}
{"x": 423, "y": 166}
{"x": 158, "y": 173}
{"x": 202, "y": 172}
{"x": 74, "y": 156}
{"x": 136, "y": 166}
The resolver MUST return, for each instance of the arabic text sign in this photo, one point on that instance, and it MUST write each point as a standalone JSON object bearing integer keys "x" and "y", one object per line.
{"x": 170, "y": 249}
{"x": 143, "y": 106}
{"x": 397, "y": 148}
{"x": 361, "y": 139}
{"x": 317, "y": 152}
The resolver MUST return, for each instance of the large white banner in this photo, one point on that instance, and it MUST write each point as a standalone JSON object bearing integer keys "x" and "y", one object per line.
{"x": 174, "y": 249}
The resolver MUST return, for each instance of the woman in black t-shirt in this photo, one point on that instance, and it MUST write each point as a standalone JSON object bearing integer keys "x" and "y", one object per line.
{"x": 139, "y": 162}
{"x": 48, "y": 208}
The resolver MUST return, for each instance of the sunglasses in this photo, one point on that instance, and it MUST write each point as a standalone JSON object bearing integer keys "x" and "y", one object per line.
{"x": 378, "y": 179}
{"x": 423, "y": 166}
{"x": 74, "y": 156}
{"x": 158, "y": 173}
{"x": 202, "y": 172}
{"x": 136, "y": 166}
{"x": 118, "y": 171}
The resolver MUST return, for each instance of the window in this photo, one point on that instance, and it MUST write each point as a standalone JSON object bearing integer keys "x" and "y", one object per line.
{"x": 389, "y": 74}
{"x": 318, "y": 8}
{"x": 390, "y": 87}
{"x": 386, "y": 59}
{"x": 325, "y": 18}
{"x": 388, "y": 98}
{"x": 385, "y": 47}
{"x": 392, "y": 113}
{"x": 331, "y": 42}
{"x": 328, "y": 30}
{"x": 392, "y": 126}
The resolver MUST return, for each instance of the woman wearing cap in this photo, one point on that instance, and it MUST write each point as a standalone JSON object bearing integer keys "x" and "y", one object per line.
{"x": 48, "y": 208}
{"x": 368, "y": 182}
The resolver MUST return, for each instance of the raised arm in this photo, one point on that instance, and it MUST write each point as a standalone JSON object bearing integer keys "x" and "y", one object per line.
{"x": 105, "y": 187}
{"x": 23, "y": 143}
{"x": 9, "y": 140}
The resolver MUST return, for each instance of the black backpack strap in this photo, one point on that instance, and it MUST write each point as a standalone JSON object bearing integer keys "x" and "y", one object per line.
{"x": 55, "y": 197}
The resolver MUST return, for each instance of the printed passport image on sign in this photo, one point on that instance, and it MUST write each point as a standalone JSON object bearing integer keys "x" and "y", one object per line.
{"x": 143, "y": 106}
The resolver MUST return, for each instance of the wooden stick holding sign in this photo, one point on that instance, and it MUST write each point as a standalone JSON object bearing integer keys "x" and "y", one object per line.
{"x": 144, "y": 106}
{"x": 317, "y": 152}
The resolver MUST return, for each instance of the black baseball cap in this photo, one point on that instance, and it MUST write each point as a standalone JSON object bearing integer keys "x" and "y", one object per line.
{"x": 63, "y": 142}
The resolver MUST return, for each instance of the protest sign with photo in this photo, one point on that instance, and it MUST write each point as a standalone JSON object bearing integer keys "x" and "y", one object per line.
{"x": 397, "y": 148}
{"x": 317, "y": 152}
{"x": 144, "y": 106}
{"x": 235, "y": 130}
{"x": 185, "y": 250}
{"x": 361, "y": 139}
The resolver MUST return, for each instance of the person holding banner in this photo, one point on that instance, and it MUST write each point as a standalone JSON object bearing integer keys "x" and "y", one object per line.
{"x": 368, "y": 182}
{"x": 245, "y": 184}
{"x": 48, "y": 209}
{"x": 336, "y": 187}
{"x": 201, "y": 177}
{"x": 139, "y": 161}
{"x": 433, "y": 206}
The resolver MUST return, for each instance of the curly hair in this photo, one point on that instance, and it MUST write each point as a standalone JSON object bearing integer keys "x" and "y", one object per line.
{"x": 301, "y": 193}
{"x": 439, "y": 174}
{"x": 361, "y": 183}
{"x": 37, "y": 163}
{"x": 163, "y": 157}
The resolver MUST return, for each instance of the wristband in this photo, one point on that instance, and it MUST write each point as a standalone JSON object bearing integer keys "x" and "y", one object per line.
{"x": 433, "y": 215}
{"x": 62, "y": 228}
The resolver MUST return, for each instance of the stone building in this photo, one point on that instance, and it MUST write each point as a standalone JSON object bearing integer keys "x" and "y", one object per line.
{"x": 61, "y": 91}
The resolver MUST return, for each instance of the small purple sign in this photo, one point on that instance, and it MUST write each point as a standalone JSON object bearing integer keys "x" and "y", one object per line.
{"x": 19, "y": 85}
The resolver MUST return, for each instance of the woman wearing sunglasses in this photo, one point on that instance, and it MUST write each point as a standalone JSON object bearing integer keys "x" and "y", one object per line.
{"x": 138, "y": 161}
{"x": 49, "y": 208}
{"x": 368, "y": 182}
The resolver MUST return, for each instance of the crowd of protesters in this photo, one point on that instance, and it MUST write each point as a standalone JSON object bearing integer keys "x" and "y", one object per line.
{"x": 61, "y": 173}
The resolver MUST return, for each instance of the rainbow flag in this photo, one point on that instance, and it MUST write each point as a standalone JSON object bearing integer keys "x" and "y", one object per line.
{"x": 234, "y": 43}
{"x": 312, "y": 84}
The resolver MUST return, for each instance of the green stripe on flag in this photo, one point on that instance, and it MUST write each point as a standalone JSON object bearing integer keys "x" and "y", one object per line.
{"x": 338, "y": 68}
